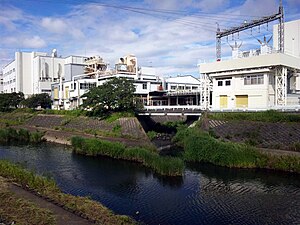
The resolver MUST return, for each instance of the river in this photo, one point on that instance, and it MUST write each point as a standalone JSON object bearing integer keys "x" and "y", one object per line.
{"x": 206, "y": 194}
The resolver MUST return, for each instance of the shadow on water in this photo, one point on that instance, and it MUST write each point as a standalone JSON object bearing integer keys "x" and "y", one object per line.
{"x": 120, "y": 172}
{"x": 267, "y": 177}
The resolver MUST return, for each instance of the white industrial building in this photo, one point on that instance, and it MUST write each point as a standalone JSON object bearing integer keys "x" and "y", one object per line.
{"x": 150, "y": 88}
{"x": 35, "y": 72}
{"x": 267, "y": 78}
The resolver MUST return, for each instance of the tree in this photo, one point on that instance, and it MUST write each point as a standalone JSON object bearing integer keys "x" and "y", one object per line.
{"x": 43, "y": 100}
{"x": 116, "y": 95}
{"x": 9, "y": 101}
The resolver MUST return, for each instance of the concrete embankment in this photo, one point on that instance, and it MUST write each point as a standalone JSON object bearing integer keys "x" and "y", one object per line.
{"x": 277, "y": 138}
{"x": 60, "y": 129}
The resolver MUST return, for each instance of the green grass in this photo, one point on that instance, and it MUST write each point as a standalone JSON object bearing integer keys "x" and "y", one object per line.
{"x": 47, "y": 187}
{"x": 72, "y": 113}
{"x": 22, "y": 211}
{"x": 117, "y": 115}
{"x": 10, "y": 135}
{"x": 168, "y": 166}
{"x": 266, "y": 116}
{"x": 200, "y": 146}
{"x": 151, "y": 134}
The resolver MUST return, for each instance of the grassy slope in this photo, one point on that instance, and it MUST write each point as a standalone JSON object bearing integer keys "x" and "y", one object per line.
{"x": 47, "y": 188}
{"x": 200, "y": 146}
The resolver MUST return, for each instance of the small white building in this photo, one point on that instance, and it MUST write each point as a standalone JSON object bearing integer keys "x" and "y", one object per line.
{"x": 35, "y": 72}
{"x": 258, "y": 79}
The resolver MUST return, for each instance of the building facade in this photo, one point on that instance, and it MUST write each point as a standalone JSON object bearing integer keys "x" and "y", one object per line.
{"x": 258, "y": 79}
{"x": 151, "y": 89}
{"x": 35, "y": 72}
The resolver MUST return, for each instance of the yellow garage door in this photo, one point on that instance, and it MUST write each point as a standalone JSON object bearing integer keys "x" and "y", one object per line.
{"x": 223, "y": 101}
{"x": 66, "y": 92}
{"x": 55, "y": 93}
{"x": 241, "y": 101}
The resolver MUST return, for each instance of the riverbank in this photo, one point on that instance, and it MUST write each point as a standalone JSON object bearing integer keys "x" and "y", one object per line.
{"x": 61, "y": 128}
{"x": 44, "y": 190}
{"x": 213, "y": 142}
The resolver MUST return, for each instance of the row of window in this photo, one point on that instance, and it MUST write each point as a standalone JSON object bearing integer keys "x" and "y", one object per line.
{"x": 9, "y": 72}
{"x": 8, "y": 82}
{"x": 254, "y": 79}
{"x": 181, "y": 87}
{"x": 248, "y": 80}
{"x": 85, "y": 86}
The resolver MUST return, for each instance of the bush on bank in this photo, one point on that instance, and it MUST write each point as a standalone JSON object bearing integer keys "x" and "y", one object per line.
{"x": 168, "y": 166}
{"x": 47, "y": 188}
{"x": 23, "y": 136}
{"x": 199, "y": 146}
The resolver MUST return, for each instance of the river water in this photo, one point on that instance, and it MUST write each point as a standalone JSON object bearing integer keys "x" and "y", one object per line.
{"x": 206, "y": 194}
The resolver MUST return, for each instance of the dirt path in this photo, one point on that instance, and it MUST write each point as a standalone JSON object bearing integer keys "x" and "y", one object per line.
{"x": 63, "y": 217}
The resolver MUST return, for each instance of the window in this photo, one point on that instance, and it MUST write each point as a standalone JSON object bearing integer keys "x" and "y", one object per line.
{"x": 220, "y": 83}
{"x": 85, "y": 86}
{"x": 254, "y": 79}
{"x": 227, "y": 82}
{"x": 145, "y": 86}
{"x": 180, "y": 87}
{"x": 188, "y": 88}
{"x": 194, "y": 88}
{"x": 173, "y": 87}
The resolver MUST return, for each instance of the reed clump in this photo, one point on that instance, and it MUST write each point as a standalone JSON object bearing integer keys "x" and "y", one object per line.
{"x": 10, "y": 135}
{"x": 168, "y": 166}
{"x": 200, "y": 146}
{"x": 46, "y": 187}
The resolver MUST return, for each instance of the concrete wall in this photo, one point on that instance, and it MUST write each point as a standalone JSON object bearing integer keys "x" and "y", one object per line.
{"x": 291, "y": 38}
{"x": 72, "y": 70}
{"x": 258, "y": 94}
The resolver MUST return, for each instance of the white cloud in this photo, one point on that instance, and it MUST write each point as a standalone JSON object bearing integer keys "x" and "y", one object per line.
{"x": 54, "y": 25}
{"x": 212, "y": 5}
{"x": 171, "y": 42}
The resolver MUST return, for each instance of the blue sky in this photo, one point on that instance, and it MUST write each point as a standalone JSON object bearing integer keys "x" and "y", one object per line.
{"x": 170, "y": 35}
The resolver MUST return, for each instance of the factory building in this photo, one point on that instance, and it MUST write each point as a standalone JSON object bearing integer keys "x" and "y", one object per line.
{"x": 259, "y": 79}
{"x": 35, "y": 72}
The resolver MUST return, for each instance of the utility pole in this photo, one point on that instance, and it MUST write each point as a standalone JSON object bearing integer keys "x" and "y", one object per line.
{"x": 254, "y": 23}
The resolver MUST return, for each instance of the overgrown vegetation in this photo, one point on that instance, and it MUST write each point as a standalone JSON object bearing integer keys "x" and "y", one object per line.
{"x": 21, "y": 211}
{"x": 72, "y": 113}
{"x": 10, "y": 135}
{"x": 42, "y": 100}
{"x": 151, "y": 134}
{"x": 117, "y": 115}
{"x": 10, "y": 101}
{"x": 47, "y": 188}
{"x": 200, "y": 146}
{"x": 266, "y": 116}
{"x": 163, "y": 165}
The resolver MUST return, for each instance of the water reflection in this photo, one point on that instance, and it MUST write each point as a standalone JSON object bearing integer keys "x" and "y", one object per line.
{"x": 206, "y": 194}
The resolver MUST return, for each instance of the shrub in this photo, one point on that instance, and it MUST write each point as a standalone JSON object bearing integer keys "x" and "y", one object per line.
{"x": 93, "y": 147}
{"x": 151, "y": 134}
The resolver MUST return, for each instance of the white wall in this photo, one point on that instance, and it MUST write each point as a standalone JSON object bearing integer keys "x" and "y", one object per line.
{"x": 258, "y": 95}
{"x": 9, "y": 78}
{"x": 291, "y": 37}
